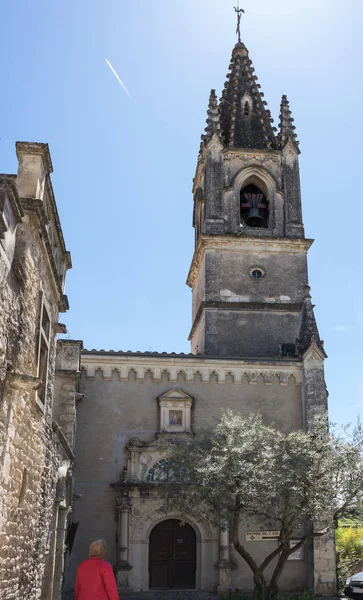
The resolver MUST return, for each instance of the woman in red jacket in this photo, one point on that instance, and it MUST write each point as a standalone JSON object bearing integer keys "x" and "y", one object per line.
{"x": 95, "y": 579}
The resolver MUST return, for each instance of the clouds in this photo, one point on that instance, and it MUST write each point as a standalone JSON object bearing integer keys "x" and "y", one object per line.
{"x": 342, "y": 328}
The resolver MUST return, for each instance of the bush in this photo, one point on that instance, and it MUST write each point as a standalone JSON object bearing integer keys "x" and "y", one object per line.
{"x": 349, "y": 543}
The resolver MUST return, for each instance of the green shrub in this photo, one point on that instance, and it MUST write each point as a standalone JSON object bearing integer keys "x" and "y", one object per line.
{"x": 349, "y": 543}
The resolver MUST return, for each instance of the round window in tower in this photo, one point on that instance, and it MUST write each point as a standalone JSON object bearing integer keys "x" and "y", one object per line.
{"x": 257, "y": 273}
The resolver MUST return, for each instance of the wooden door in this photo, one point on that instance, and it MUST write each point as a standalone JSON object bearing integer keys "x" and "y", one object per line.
{"x": 172, "y": 556}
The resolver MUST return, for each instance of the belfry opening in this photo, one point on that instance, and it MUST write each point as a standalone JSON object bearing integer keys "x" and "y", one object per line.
{"x": 253, "y": 207}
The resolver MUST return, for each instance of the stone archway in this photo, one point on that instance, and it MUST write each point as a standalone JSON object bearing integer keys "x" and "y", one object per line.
{"x": 172, "y": 556}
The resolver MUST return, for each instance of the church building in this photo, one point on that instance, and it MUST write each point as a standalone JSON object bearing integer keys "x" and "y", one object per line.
{"x": 255, "y": 346}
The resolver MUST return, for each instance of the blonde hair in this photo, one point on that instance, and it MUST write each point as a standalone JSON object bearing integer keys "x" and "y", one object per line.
{"x": 97, "y": 548}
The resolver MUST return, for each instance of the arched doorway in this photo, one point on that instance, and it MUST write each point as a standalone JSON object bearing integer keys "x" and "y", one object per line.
{"x": 172, "y": 556}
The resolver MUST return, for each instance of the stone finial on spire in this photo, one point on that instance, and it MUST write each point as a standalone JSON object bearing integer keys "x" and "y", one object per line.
{"x": 287, "y": 127}
{"x": 213, "y": 122}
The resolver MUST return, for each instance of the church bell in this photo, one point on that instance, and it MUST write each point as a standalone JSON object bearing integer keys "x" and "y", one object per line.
{"x": 254, "y": 205}
{"x": 254, "y": 218}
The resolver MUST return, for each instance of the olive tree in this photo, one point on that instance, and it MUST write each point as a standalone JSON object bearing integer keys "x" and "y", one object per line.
{"x": 301, "y": 481}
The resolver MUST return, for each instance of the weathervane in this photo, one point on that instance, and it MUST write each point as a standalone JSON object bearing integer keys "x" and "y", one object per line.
{"x": 239, "y": 12}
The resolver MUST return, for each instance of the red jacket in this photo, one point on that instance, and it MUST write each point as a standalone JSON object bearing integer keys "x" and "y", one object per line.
{"x": 95, "y": 580}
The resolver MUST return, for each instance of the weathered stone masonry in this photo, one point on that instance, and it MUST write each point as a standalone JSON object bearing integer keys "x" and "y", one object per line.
{"x": 36, "y": 455}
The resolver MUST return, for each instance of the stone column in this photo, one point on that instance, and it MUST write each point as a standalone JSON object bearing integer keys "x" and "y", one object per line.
{"x": 224, "y": 565}
{"x": 122, "y": 566}
{"x": 325, "y": 565}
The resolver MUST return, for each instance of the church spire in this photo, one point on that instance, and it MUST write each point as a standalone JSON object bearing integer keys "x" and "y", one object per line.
{"x": 245, "y": 121}
{"x": 213, "y": 122}
{"x": 287, "y": 127}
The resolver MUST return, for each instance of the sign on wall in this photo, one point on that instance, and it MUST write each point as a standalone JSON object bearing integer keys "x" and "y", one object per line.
{"x": 262, "y": 536}
{"x": 298, "y": 554}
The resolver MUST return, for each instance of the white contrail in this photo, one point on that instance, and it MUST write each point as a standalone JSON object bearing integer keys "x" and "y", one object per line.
{"x": 119, "y": 79}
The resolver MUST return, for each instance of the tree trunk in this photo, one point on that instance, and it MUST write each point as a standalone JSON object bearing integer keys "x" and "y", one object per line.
{"x": 261, "y": 591}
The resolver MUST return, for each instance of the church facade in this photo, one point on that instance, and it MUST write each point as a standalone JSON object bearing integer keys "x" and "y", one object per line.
{"x": 255, "y": 346}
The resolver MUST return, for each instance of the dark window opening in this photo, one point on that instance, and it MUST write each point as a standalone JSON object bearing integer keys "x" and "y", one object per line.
{"x": 46, "y": 323}
{"x": 288, "y": 350}
{"x": 44, "y": 328}
{"x": 257, "y": 273}
{"x": 43, "y": 367}
{"x": 247, "y": 109}
{"x": 254, "y": 207}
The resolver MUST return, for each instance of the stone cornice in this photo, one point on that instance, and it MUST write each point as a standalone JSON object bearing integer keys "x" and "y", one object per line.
{"x": 56, "y": 220}
{"x": 260, "y": 152}
{"x": 36, "y": 148}
{"x": 244, "y": 243}
{"x": 248, "y": 370}
{"x": 36, "y": 207}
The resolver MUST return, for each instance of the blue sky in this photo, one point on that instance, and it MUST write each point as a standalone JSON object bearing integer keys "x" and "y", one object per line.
{"x": 123, "y": 167}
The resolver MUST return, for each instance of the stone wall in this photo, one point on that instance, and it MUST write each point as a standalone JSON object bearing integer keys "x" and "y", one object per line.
{"x": 35, "y": 457}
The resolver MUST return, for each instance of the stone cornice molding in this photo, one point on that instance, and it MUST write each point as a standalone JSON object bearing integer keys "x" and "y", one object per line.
{"x": 38, "y": 148}
{"x": 252, "y": 153}
{"x": 35, "y": 206}
{"x": 247, "y": 371}
{"x": 244, "y": 243}
{"x": 56, "y": 220}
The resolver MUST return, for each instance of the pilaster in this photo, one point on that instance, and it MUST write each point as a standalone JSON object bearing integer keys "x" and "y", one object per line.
{"x": 291, "y": 184}
{"x": 123, "y": 567}
{"x": 316, "y": 402}
{"x": 224, "y": 565}
{"x": 214, "y": 222}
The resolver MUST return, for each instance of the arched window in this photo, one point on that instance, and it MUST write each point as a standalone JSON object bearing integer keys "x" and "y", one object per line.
{"x": 160, "y": 472}
{"x": 247, "y": 108}
{"x": 254, "y": 207}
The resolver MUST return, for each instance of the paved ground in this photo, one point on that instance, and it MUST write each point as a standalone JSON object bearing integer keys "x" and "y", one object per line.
{"x": 167, "y": 595}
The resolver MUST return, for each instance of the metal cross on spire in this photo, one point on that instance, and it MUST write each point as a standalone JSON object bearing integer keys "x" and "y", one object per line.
{"x": 239, "y": 12}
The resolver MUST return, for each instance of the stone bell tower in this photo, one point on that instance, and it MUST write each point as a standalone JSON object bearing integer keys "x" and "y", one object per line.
{"x": 249, "y": 270}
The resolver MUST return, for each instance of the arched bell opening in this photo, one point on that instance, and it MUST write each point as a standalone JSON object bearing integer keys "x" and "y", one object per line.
{"x": 172, "y": 556}
{"x": 254, "y": 207}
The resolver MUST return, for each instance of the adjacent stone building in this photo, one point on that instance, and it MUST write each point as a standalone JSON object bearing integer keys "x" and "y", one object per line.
{"x": 255, "y": 347}
{"x": 38, "y": 383}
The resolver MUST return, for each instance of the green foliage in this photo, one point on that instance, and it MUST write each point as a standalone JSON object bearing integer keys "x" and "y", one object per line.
{"x": 234, "y": 595}
{"x": 349, "y": 543}
{"x": 243, "y": 469}
{"x": 305, "y": 595}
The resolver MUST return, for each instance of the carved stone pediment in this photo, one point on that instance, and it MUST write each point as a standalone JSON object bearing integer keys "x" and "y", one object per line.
{"x": 175, "y": 411}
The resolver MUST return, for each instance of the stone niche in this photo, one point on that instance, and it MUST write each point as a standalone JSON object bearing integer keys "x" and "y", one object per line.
{"x": 175, "y": 412}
